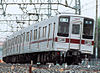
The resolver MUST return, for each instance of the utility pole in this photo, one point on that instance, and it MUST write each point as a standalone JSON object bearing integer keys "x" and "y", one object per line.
{"x": 96, "y": 41}
{"x": 78, "y": 7}
{"x": 49, "y": 8}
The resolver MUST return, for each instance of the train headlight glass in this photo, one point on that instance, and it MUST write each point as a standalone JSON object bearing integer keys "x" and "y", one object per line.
{"x": 61, "y": 40}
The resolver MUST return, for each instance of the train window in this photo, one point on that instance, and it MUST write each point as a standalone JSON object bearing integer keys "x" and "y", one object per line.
{"x": 31, "y": 35}
{"x": 75, "y": 29}
{"x": 27, "y": 37}
{"x": 88, "y": 28}
{"x": 63, "y": 28}
{"x": 39, "y": 32}
{"x": 68, "y": 72}
{"x": 18, "y": 39}
{"x": 48, "y": 33}
{"x": 15, "y": 40}
{"x": 83, "y": 72}
{"x": 44, "y": 31}
{"x": 35, "y": 34}
{"x": 23, "y": 36}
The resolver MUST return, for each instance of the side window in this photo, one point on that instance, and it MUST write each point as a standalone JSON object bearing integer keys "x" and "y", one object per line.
{"x": 49, "y": 30}
{"x": 44, "y": 31}
{"x": 12, "y": 42}
{"x": 39, "y": 32}
{"x": 23, "y": 36}
{"x": 35, "y": 34}
{"x": 31, "y": 35}
{"x": 27, "y": 37}
{"x": 18, "y": 39}
{"x": 15, "y": 40}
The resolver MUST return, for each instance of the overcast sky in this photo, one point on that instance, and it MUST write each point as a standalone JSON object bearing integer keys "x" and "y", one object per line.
{"x": 88, "y": 7}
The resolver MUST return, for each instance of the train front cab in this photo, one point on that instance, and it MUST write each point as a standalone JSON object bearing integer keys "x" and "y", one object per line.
{"x": 74, "y": 38}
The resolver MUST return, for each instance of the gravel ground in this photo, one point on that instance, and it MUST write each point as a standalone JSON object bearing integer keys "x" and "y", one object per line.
{"x": 49, "y": 68}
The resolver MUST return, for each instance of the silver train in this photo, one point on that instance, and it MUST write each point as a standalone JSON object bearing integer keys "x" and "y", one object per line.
{"x": 64, "y": 38}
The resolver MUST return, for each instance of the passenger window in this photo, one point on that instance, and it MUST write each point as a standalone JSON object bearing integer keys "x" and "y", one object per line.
{"x": 35, "y": 34}
{"x": 49, "y": 30}
{"x": 27, "y": 37}
{"x": 39, "y": 32}
{"x": 15, "y": 40}
{"x": 44, "y": 31}
{"x": 18, "y": 39}
{"x": 23, "y": 36}
{"x": 75, "y": 29}
{"x": 31, "y": 35}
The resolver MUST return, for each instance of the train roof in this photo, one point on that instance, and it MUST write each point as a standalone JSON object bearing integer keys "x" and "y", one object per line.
{"x": 75, "y": 15}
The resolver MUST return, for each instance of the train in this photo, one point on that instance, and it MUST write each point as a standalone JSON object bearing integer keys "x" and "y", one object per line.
{"x": 64, "y": 38}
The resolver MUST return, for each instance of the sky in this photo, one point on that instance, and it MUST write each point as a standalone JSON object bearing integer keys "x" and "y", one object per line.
{"x": 88, "y": 8}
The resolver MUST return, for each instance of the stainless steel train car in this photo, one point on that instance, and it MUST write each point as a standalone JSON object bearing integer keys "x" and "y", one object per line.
{"x": 64, "y": 38}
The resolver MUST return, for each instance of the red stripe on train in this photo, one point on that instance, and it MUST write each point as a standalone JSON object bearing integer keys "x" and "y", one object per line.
{"x": 75, "y": 41}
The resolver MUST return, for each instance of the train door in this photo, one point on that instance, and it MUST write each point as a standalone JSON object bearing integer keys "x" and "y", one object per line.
{"x": 75, "y": 33}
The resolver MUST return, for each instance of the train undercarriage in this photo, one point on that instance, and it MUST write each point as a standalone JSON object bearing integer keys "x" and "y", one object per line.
{"x": 71, "y": 57}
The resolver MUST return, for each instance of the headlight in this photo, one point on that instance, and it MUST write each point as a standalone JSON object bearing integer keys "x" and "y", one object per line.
{"x": 61, "y": 40}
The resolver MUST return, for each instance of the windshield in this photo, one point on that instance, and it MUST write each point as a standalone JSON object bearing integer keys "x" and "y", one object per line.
{"x": 88, "y": 28}
{"x": 63, "y": 28}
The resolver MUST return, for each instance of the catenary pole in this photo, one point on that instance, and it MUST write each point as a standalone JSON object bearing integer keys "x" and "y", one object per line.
{"x": 96, "y": 41}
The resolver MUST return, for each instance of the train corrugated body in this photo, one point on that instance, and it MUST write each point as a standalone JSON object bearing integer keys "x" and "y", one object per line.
{"x": 64, "y": 38}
